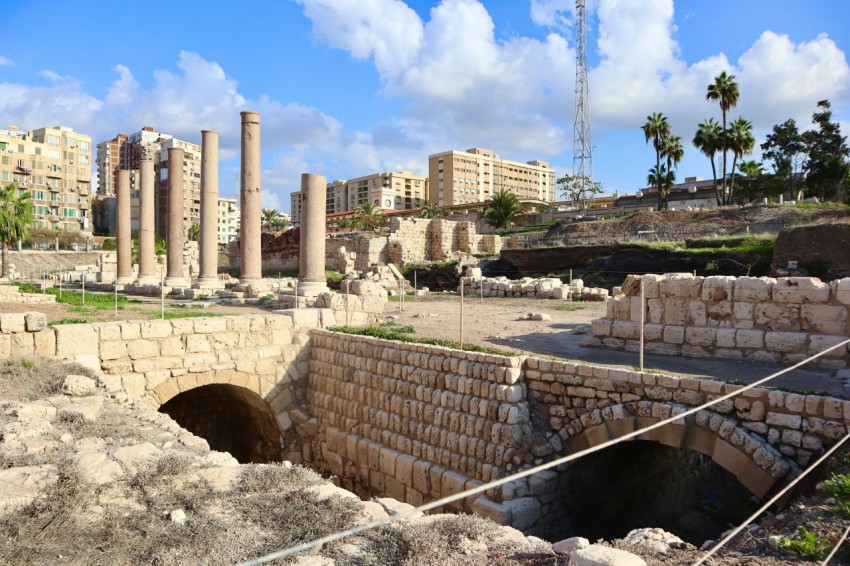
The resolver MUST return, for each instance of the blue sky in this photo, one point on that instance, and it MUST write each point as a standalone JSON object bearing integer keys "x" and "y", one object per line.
{"x": 350, "y": 87}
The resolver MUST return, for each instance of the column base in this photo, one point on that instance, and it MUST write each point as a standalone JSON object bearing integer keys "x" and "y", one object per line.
{"x": 177, "y": 282}
{"x": 312, "y": 288}
{"x": 148, "y": 280}
{"x": 124, "y": 280}
{"x": 207, "y": 283}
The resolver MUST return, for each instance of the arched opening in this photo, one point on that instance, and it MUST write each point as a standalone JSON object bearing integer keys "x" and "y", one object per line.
{"x": 231, "y": 419}
{"x": 646, "y": 484}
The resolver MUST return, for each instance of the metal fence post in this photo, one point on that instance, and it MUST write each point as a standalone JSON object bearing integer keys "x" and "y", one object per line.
{"x": 642, "y": 313}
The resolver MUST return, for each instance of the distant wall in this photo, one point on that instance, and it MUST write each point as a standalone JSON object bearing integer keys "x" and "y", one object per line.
{"x": 764, "y": 319}
{"x": 821, "y": 249}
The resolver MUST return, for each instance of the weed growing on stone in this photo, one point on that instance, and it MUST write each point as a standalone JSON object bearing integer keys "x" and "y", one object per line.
{"x": 809, "y": 546}
{"x": 68, "y": 320}
{"x": 403, "y": 336}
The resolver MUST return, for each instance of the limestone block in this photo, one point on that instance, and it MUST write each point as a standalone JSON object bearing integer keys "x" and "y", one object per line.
{"x": 725, "y": 337}
{"x": 113, "y": 350}
{"x": 841, "y": 290}
{"x": 12, "y": 322}
{"x": 742, "y": 311}
{"x": 75, "y": 339}
{"x": 35, "y": 321}
{"x": 800, "y": 290}
{"x": 209, "y": 325}
{"x": 155, "y": 328}
{"x": 820, "y": 342}
{"x": 700, "y": 336}
{"x": 696, "y": 314}
{"x": 525, "y": 512}
{"x": 675, "y": 312}
{"x": 674, "y": 334}
{"x": 753, "y": 289}
{"x": 749, "y": 339}
{"x": 497, "y": 512}
{"x": 783, "y": 420}
{"x": 718, "y": 288}
{"x": 138, "y": 349}
{"x": 683, "y": 285}
{"x": 779, "y": 317}
{"x": 655, "y": 310}
{"x": 653, "y": 332}
{"x": 45, "y": 343}
{"x": 625, "y": 329}
{"x": 172, "y": 346}
{"x": 785, "y": 341}
{"x": 598, "y": 555}
{"x": 824, "y": 319}
{"x": 601, "y": 327}
{"x": 650, "y": 285}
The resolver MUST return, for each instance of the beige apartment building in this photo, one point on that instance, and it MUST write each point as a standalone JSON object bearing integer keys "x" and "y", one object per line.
{"x": 398, "y": 190}
{"x": 54, "y": 166}
{"x": 459, "y": 177}
{"x": 228, "y": 220}
{"x": 125, "y": 152}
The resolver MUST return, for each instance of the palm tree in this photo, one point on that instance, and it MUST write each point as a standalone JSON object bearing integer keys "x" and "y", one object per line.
{"x": 656, "y": 129}
{"x": 502, "y": 207}
{"x": 660, "y": 177}
{"x": 269, "y": 215}
{"x": 707, "y": 140}
{"x": 430, "y": 210}
{"x": 741, "y": 142}
{"x": 751, "y": 169}
{"x": 674, "y": 151}
{"x": 724, "y": 89}
{"x": 15, "y": 220}
{"x": 281, "y": 223}
{"x": 368, "y": 216}
{"x": 194, "y": 232}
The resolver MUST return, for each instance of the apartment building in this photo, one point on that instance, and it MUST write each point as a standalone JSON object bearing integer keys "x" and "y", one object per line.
{"x": 398, "y": 190}
{"x": 54, "y": 166}
{"x": 459, "y": 177}
{"x": 228, "y": 220}
{"x": 124, "y": 152}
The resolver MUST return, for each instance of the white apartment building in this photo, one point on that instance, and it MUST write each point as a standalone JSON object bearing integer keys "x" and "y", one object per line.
{"x": 228, "y": 220}
{"x": 54, "y": 166}
{"x": 459, "y": 177}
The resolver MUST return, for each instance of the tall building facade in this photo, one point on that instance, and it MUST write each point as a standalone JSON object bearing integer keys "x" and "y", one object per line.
{"x": 54, "y": 166}
{"x": 124, "y": 152}
{"x": 394, "y": 190}
{"x": 458, "y": 177}
{"x": 228, "y": 220}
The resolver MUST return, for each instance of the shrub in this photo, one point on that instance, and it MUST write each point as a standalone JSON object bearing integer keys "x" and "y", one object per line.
{"x": 809, "y": 546}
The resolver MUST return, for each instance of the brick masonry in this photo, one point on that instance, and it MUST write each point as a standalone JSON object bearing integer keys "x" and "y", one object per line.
{"x": 782, "y": 320}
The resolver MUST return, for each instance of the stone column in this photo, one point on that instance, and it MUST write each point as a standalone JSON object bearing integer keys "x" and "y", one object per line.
{"x": 148, "y": 274}
{"x": 250, "y": 214}
{"x": 209, "y": 210}
{"x": 123, "y": 240}
{"x": 311, "y": 249}
{"x": 175, "y": 230}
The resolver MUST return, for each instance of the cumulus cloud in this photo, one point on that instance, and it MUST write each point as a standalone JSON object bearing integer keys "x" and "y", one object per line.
{"x": 5, "y": 61}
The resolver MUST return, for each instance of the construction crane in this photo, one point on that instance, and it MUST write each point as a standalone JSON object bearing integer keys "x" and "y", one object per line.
{"x": 582, "y": 148}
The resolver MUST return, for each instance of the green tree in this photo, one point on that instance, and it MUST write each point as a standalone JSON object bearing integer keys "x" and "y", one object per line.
{"x": 827, "y": 170}
{"x": 657, "y": 129}
{"x": 785, "y": 149}
{"x": 194, "y": 232}
{"x": 740, "y": 141}
{"x": 660, "y": 177}
{"x": 501, "y": 209}
{"x": 673, "y": 151}
{"x": 707, "y": 140}
{"x": 368, "y": 216}
{"x": 431, "y": 210}
{"x": 268, "y": 217}
{"x": 281, "y": 223}
{"x": 724, "y": 90}
{"x": 15, "y": 220}
{"x": 579, "y": 189}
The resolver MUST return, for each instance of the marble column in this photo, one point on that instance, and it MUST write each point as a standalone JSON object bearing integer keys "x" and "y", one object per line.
{"x": 148, "y": 274}
{"x": 209, "y": 210}
{"x": 311, "y": 247}
{"x": 250, "y": 214}
{"x": 175, "y": 231}
{"x": 124, "y": 241}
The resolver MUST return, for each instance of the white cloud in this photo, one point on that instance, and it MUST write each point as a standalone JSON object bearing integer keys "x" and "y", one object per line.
{"x": 5, "y": 61}
{"x": 555, "y": 13}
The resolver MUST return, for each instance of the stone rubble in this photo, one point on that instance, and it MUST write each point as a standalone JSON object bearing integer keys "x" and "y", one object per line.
{"x": 528, "y": 287}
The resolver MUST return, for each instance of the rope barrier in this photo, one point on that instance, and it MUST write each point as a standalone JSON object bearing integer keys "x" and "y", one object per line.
{"x": 770, "y": 502}
{"x": 531, "y": 471}
{"x": 837, "y": 546}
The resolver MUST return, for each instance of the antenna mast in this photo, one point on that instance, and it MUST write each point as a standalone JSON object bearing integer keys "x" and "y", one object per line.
{"x": 582, "y": 158}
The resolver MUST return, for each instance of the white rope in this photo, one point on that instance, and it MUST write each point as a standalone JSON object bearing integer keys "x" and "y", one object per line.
{"x": 837, "y": 546}
{"x": 772, "y": 500}
{"x": 525, "y": 473}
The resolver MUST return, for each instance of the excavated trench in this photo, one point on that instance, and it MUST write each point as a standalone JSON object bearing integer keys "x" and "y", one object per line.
{"x": 645, "y": 484}
{"x": 231, "y": 419}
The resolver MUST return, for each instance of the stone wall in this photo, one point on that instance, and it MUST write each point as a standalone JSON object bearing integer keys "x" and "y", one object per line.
{"x": 764, "y": 319}
{"x": 11, "y": 294}
{"x": 420, "y": 240}
{"x": 815, "y": 249}
{"x": 528, "y": 287}
{"x": 367, "y": 251}
{"x": 419, "y": 422}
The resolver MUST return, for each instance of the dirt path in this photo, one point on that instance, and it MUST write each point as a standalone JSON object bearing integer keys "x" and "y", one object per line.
{"x": 494, "y": 322}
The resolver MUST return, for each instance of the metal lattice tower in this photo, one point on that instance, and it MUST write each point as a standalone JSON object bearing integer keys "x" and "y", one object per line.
{"x": 582, "y": 148}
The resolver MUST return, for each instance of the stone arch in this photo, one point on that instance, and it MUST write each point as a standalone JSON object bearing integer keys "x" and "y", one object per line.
{"x": 752, "y": 460}
{"x": 234, "y": 411}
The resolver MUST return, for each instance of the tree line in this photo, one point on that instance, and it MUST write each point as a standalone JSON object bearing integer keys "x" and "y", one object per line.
{"x": 808, "y": 164}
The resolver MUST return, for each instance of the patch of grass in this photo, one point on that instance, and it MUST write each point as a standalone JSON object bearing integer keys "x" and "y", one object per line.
{"x": 838, "y": 485}
{"x": 75, "y": 298}
{"x": 171, "y": 314}
{"x": 574, "y": 306}
{"x": 334, "y": 276}
{"x": 266, "y": 299}
{"x": 393, "y": 334}
{"x": 69, "y": 320}
{"x": 393, "y": 326}
{"x": 26, "y": 378}
{"x": 809, "y": 546}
